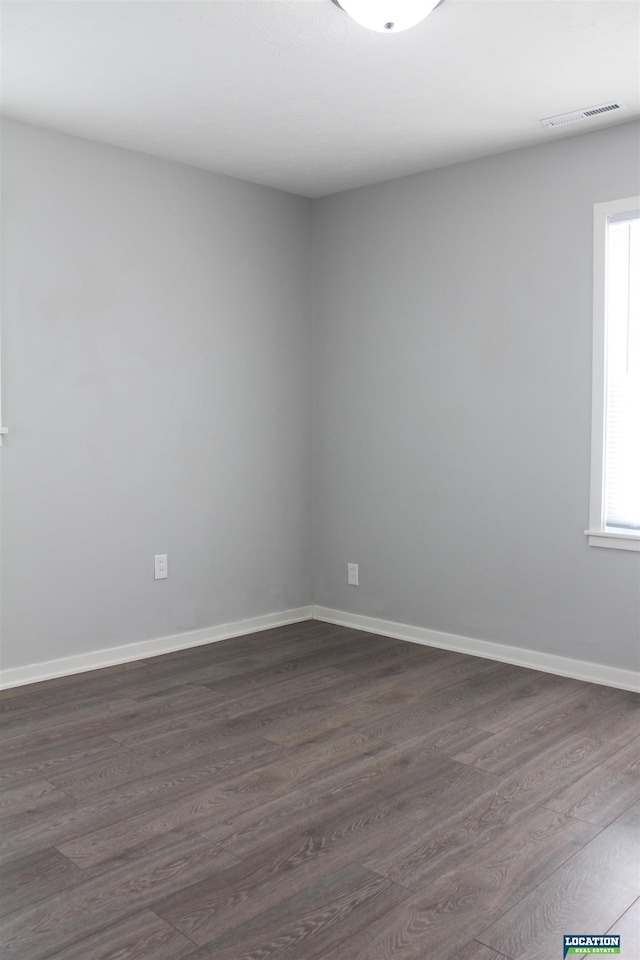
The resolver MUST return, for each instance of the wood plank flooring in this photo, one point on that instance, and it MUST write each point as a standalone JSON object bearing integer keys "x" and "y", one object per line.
{"x": 317, "y": 793}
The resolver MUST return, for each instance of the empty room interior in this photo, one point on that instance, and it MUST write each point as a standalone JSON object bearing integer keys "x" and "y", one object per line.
{"x": 320, "y": 503}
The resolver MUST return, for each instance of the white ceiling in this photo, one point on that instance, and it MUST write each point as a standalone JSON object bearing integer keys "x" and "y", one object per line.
{"x": 294, "y": 94}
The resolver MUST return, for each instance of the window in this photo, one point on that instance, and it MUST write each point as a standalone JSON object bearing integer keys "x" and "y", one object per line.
{"x": 615, "y": 441}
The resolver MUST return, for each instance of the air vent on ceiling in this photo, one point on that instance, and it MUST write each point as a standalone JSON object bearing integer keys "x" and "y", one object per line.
{"x": 563, "y": 118}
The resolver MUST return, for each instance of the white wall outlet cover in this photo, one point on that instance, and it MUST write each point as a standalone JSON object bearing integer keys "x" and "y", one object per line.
{"x": 161, "y": 566}
{"x": 352, "y": 574}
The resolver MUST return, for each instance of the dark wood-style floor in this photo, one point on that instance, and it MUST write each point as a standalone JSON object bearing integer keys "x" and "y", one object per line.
{"x": 316, "y": 792}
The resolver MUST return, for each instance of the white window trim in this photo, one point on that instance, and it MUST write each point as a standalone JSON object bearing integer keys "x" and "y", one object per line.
{"x": 598, "y": 534}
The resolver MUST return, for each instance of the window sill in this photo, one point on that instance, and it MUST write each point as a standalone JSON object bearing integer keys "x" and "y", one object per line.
{"x": 614, "y": 540}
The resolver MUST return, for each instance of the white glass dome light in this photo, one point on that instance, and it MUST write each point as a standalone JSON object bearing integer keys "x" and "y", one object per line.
{"x": 387, "y": 16}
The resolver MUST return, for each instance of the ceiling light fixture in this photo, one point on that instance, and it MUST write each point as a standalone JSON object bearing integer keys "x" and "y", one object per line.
{"x": 387, "y": 16}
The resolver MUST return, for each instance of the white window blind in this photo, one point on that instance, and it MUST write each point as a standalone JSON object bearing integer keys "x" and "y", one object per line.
{"x": 621, "y": 499}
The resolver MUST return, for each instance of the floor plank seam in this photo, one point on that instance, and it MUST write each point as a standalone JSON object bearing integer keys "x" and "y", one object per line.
{"x": 572, "y": 816}
{"x": 62, "y": 790}
{"x": 618, "y": 919}
{"x": 396, "y": 883}
{"x": 88, "y": 876}
{"x": 173, "y": 927}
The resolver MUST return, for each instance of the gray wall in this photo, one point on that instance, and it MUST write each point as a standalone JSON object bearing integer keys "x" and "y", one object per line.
{"x": 452, "y": 345}
{"x": 157, "y": 385}
{"x": 157, "y": 362}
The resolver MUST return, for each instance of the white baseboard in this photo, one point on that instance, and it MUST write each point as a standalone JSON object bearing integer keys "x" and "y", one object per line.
{"x": 67, "y": 666}
{"x": 534, "y": 659}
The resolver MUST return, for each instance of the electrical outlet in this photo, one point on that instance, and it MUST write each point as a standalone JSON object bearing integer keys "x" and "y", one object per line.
{"x": 161, "y": 566}
{"x": 352, "y": 574}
